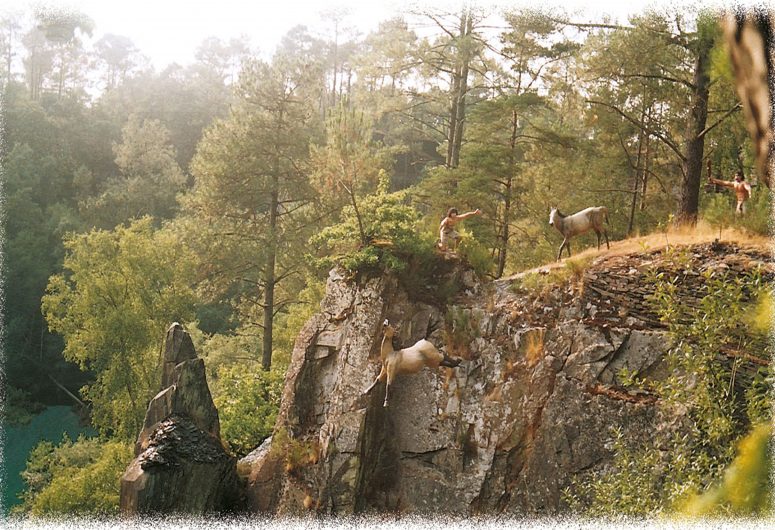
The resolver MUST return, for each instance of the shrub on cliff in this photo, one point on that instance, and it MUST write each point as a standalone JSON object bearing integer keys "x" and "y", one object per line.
{"x": 390, "y": 229}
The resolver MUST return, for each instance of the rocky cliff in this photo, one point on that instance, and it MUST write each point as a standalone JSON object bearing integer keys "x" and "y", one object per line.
{"x": 531, "y": 406}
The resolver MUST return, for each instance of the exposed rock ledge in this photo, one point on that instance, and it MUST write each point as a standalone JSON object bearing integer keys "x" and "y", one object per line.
{"x": 532, "y": 405}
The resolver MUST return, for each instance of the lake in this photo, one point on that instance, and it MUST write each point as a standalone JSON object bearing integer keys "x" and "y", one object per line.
{"x": 49, "y": 425}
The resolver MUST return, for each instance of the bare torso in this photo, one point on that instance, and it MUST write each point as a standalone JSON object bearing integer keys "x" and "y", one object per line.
{"x": 742, "y": 191}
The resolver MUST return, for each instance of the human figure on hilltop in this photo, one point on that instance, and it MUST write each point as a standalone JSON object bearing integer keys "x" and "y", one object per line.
{"x": 448, "y": 236}
{"x": 741, "y": 187}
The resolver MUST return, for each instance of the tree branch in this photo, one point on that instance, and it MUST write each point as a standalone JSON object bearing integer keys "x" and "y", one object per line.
{"x": 684, "y": 82}
{"x": 667, "y": 141}
{"x": 726, "y": 115}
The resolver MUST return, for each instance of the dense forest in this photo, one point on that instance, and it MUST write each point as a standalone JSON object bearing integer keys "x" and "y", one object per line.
{"x": 219, "y": 193}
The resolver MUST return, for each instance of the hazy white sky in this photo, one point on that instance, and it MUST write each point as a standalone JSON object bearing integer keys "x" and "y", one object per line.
{"x": 170, "y": 30}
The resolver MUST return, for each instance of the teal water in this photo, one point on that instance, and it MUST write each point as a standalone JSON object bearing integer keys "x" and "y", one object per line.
{"x": 51, "y": 424}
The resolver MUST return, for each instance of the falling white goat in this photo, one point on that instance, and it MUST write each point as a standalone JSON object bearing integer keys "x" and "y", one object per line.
{"x": 579, "y": 223}
{"x": 408, "y": 360}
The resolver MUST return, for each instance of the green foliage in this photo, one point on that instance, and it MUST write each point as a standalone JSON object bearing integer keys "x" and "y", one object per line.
{"x": 121, "y": 291}
{"x": 656, "y": 476}
{"x": 248, "y": 399}
{"x": 758, "y": 213}
{"x": 149, "y": 182}
{"x": 719, "y": 211}
{"x": 631, "y": 489}
{"x": 349, "y": 165}
{"x": 745, "y": 489}
{"x": 390, "y": 230}
{"x": 475, "y": 253}
{"x": 296, "y": 453}
{"x": 257, "y": 213}
{"x": 459, "y": 330}
{"x": 288, "y": 324}
{"x": 74, "y": 478}
{"x": 19, "y": 406}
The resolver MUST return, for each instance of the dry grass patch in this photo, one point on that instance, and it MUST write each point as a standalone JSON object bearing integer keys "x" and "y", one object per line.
{"x": 674, "y": 236}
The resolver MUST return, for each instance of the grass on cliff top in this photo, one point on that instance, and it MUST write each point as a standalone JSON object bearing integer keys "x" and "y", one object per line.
{"x": 541, "y": 280}
{"x": 675, "y": 236}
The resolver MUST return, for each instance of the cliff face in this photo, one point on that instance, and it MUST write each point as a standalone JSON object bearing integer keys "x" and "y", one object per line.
{"x": 532, "y": 405}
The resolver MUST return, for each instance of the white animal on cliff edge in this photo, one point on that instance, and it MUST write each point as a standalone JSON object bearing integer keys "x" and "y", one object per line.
{"x": 579, "y": 223}
{"x": 408, "y": 360}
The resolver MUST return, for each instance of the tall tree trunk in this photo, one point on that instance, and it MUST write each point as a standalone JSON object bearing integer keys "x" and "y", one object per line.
{"x": 503, "y": 238}
{"x": 452, "y": 118}
{"x": 457, "y": 140}
{"x": 466, "y": 28}
{"x": 269, "y": 276}
{"x": 647, "y": 158}
{"x": 358, "y": 217}
{"x": 271, "y": 257}
{"x": 688, "y": 206}
{"x": 638, "y": 170}
{"x": 336, "y": 61}
{"x": 459, "y": 89}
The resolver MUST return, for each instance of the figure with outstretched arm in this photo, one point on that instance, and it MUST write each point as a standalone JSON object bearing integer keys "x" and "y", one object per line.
{"x": 741, "y": 187}
{"x": 448, "y": 236}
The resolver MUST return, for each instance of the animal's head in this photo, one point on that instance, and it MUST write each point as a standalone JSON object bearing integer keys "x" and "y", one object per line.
{"x": 552, "y": 216}
{"x": 387, "y": 329}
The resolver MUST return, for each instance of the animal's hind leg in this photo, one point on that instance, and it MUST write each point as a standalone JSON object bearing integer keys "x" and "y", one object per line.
{"x": 605, "y": 233}
{"x": 598, "y": 240}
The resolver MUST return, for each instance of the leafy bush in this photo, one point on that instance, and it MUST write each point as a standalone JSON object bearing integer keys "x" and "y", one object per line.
{"x": 390, "y": 229}
{"x": 759, "y": 212}
{"x": 745, "y": 489}
{"x": 720, "y": 212}
{"x": 296, "y": 453}
{"x": 248, "y": 399}
{"x": 75, "y": 478}
{"x": 475, "y": 254}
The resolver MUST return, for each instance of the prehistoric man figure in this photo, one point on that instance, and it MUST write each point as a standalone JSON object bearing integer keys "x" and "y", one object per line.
{"x": 448, "y": 237}
{"x": 741, "y": 187}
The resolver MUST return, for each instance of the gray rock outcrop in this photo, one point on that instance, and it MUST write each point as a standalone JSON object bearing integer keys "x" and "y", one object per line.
{"x": 180, "y": 465}
{"x": 533, "y": 404}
